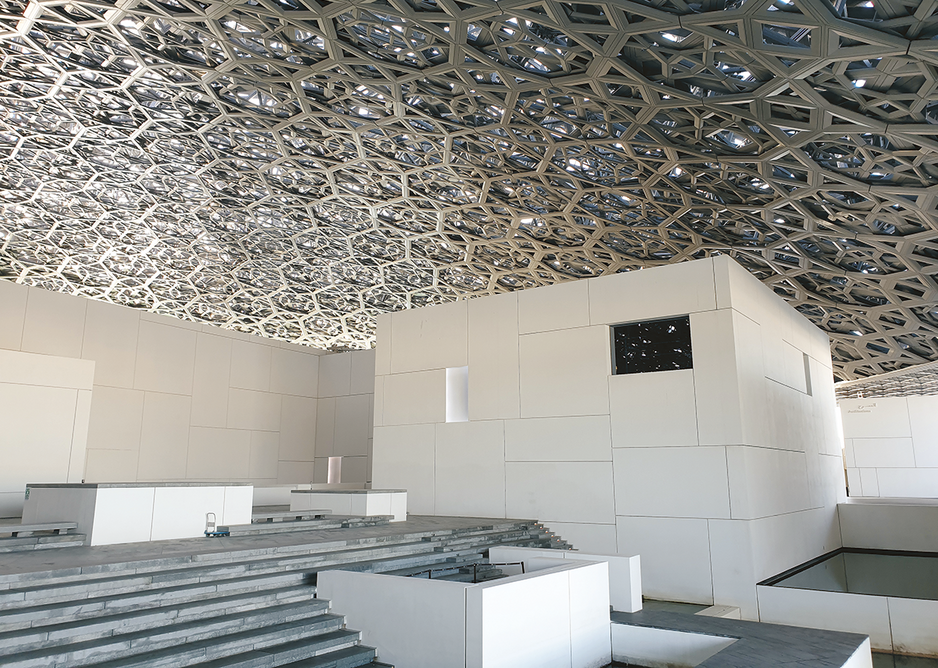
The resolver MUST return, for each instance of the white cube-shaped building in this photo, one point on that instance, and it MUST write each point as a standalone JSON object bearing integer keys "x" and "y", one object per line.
{"x": 719, "y": 471}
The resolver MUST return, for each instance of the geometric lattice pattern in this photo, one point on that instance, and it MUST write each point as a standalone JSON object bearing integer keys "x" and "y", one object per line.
{"x": 293, "y": 168}
{"x": 913, "y": 381}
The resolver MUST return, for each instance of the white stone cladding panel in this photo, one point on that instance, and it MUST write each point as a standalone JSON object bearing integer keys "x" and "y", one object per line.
{"x": 470, "y": 469}
{"x": 635, "y": 401}
{"x": 672, "y": 482}
{"x": 560, "y": 491}
{"x": 675, "y": 556}
{"x": 564, "y": 372}
{"x": 494, "y": 385}
{"x": 561, "y": 306}
{"x": 653, "y": 293}
{"x": 558, "y": 439}
{"x": 430, "y": 338}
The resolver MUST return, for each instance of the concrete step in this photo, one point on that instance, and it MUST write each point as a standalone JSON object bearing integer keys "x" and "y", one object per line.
{"x": 346, "y": 657}
{"x": 254, "y": 649}
{"x": 275, "y": 514}
{"x": 260, "y": 528}
{"x": 169, "y": 585}
{"x": 352, "y": 657}
{"x": 73, "y": 610}
{"x": 112, "y": 622}
{"x": 41, "y": 542}
{"x": 192, "y": 642}
{"x": 460, "y": 562}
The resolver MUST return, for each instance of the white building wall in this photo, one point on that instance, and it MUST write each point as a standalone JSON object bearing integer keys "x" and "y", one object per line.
{"x": 344, "y": 421}
{"x": 174, "y": 400}
{"x": 719, "y": 476}
{"x": 891, "y": 446}
{"x": 45, "y": 404}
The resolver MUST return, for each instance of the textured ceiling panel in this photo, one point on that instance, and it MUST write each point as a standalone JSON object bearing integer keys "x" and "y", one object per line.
{"x": 293, "y": 168}
{"x": 914, "y": 381}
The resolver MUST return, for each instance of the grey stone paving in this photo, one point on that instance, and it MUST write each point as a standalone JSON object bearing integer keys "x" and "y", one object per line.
{"x": 759, "y": 645}
{"x": 898, "y": 661}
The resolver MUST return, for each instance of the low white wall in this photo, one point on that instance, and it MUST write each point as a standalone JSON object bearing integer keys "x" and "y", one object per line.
{"x": 664, "y": 648}
{"x": 352, "y": 502}
{"x": 414, "y": 623}
{"x": 279, "y": 495}
{"x": 132, "y": 514}
{"x": 891, "y": 446}
{"x": 556, "y": 618}
{"x": 890, "y": 526}
{"x": 908, "y": 626}
{"x": 625, "y": 573}
{"x": 45, "y": 405}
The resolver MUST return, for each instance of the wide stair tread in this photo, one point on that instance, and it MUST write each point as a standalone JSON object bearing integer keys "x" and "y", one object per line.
{"x": 110, "y": 622}
{"x": 250, "y": 649}
{"x": 41, "y": 542}
{"x": 288, "y": 526}
{"x": 297, "y": 654}
{"x": 188, "y": 636}
{"x": 142, "y": 599}
{"x": 351, "y": 657}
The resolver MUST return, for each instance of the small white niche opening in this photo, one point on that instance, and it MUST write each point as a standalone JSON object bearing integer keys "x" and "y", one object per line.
{"x": 335, "y": 471}
{"x": 457, "y": 394}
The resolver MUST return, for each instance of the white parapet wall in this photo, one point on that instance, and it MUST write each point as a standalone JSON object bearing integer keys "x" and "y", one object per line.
{"x": 891, "y": 446}
{"x": 111, "y": 513}
{"x": 279, "y": 495}
{"x": 719, "y": 475}
{"x": 555, "y": 618}
{"x": 890, "y": 525}
{"x": 625, "y": 572}
{"x": 358, "y": 502}
{"x": 894, "y": 624}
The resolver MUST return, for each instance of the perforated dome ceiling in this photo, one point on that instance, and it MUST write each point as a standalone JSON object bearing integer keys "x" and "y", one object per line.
{"x": 293, "y": 168}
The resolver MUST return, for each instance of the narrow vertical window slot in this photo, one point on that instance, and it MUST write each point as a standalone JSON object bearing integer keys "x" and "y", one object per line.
{"x": 335, "y": 471}
{"x": 457, "y": 394}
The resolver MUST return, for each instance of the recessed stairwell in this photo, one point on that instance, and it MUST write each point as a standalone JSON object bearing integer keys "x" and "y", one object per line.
{"x": 245, "y": 602}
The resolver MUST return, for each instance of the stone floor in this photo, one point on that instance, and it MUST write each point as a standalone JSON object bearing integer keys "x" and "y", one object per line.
{"x": 898, "y": 661}
{"x": 880, "y": 659}
{"x": 76, "y": 557}
{"x": 758, "y": 645}
{"x": 672, "y": 606}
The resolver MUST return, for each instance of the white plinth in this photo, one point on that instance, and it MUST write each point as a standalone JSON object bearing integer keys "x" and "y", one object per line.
{"x": 358, "y": 502}
{"x": 110, "y": 513}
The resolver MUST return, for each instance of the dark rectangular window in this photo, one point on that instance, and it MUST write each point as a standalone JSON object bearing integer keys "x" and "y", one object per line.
{"x": 659, "y": 345}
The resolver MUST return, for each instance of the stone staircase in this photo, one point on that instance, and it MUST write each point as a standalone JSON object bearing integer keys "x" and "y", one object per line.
{"x": 243, "y": 608}
{"x": 18, "y": 537}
